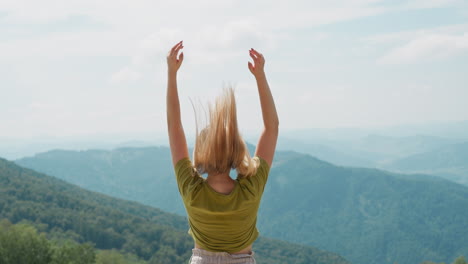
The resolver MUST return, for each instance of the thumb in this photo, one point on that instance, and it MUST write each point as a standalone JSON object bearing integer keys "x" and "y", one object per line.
{"x": 181, "y": 57}
{"x": 251, "y": 68}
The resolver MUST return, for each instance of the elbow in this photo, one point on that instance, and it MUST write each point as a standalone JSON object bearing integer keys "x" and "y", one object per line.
{"x": 275, "y": 123}
{"x": 273, "y": 126}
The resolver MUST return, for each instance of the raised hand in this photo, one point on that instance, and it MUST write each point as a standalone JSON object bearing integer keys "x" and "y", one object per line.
{"x": 174, "y": 60}
{"x": 257, "y": 68}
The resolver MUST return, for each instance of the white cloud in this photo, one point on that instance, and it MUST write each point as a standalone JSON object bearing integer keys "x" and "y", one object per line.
{"x": 130, "y": 39}
{"x": 427, "y": 47}
{"x": 211, "y": 44}
{"x": 138, "y": 28}
{"x": 422, "y": 45}
{"x": 65, "y": 44}
{"x": 419, "y": 4}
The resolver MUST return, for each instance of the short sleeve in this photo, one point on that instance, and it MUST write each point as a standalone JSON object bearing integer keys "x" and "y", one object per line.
{"x": 255, "y": 184}
{"x": 185, "y": 173}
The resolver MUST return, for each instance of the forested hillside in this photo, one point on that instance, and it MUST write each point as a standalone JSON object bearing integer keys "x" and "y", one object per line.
{"x": 140, "y": 174}
{"x": 365, "y": 215}
{"x": 154, "y": 236}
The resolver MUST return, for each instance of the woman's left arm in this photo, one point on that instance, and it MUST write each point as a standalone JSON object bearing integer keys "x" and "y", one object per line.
{"x": 177, "y": 140}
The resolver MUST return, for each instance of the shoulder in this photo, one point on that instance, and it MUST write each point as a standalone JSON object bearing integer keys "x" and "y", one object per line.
{"x": 184, "y": 168}
{"x": 262, "y": 165}
{"x": 187, "y": 177}
{"x": 256, "y": 183}
{"x": 183, "y": 163}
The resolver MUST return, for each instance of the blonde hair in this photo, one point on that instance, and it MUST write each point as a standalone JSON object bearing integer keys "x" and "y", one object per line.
{"x": 219, "y": 146}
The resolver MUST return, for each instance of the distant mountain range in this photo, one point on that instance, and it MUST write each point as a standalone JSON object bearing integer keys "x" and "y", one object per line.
{"x": 366, "y": 215}
{"x": 371, "y": 150}
{"x": 14, "y": 148}
{"x": 151, "y": 234}
{"x": 139, "y": 174}
{"x": 448, "y": 129}
{"x": 450, "y": 162}
{"x": 412, "y": 154}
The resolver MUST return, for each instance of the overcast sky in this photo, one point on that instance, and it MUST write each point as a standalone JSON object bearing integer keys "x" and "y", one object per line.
{"x": 73, "y": 68}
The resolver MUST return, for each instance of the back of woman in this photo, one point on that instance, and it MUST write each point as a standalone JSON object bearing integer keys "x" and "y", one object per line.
{"x": 222, "y": 212}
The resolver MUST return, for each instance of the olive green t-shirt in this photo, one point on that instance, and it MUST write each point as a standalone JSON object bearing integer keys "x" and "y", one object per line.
{"x": 221, "y": 222}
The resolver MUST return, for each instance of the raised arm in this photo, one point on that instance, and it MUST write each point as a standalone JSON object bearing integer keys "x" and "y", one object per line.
{"x": 177, "y": 140}
{"x": 267, "y": 143}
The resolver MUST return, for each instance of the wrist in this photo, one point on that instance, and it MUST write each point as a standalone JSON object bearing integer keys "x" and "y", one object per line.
{"x": 260, "y": 76}
{"x": 171, "y": 73}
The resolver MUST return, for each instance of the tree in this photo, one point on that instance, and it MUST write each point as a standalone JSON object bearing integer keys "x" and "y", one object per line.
{"x": 74, "y": 253}
{"x": 460, "y": 260}
{"x": 115, "y": 257}
{"x": 22, "y": 244}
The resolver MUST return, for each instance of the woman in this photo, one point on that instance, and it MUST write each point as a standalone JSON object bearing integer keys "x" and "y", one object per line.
{"x": 222, "y": 212}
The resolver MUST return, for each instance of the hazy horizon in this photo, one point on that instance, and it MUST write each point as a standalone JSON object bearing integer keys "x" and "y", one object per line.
{"x": 13, "y": 148}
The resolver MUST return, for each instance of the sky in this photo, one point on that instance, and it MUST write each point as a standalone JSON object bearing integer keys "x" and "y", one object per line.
{"x": 87, "y": 67}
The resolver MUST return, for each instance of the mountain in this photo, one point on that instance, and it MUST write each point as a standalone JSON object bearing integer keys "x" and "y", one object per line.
{"x": 372, "y": 150}
{"x": 443, "y": 129}
{"x": 450, "y": 162}
{"x": 138, "y": 174}
{"x": 444, "y": 157}
{"x": 366, "y": 215}
{"x": 331, "y": 152}
{"x": 111, "y": 223}
{"x": 400, "y": 146}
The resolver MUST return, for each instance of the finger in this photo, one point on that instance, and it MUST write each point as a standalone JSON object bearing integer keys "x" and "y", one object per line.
{"x": 258, "y": 54}
{"x": 176, "y": 52}
{"x": 176, "y": 46}
{"x": 252, "y": 55}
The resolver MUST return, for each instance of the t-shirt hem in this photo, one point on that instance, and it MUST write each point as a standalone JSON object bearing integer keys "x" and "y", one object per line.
{"x": 234, "y": 250}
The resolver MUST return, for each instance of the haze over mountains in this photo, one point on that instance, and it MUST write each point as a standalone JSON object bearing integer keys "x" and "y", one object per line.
{"x": 15, "y": 148}
{"x": 384, "y": 148}
{"x": 388, "y": 148}
{"x": 443, "y": 157}
{"x": 365, "y": 215}
{"x": 449, "y": 161}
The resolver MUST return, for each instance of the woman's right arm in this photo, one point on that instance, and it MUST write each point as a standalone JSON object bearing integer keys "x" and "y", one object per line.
{"x": 267, "y": 143}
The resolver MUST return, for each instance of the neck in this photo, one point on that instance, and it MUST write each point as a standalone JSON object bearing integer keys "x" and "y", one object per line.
{"x": 219, "y": 177}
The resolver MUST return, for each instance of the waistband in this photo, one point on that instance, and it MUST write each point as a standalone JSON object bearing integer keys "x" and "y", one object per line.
{"x": 205, "y": 253}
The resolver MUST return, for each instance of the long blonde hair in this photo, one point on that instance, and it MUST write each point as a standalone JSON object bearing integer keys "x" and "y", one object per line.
{"x": 219, "y": 147}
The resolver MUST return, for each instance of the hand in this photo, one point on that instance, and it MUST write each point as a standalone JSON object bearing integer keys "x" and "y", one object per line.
{"x": 257, "y": 69}
{"x": 173, "y": 63}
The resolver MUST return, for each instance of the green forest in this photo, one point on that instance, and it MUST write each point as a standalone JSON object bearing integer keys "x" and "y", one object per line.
{"x": 67, "y": 220}
{"x": 23, "y": 243}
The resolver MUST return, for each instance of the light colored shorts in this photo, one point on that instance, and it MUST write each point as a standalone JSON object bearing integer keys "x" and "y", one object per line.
{"x": 200, "y": 256}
